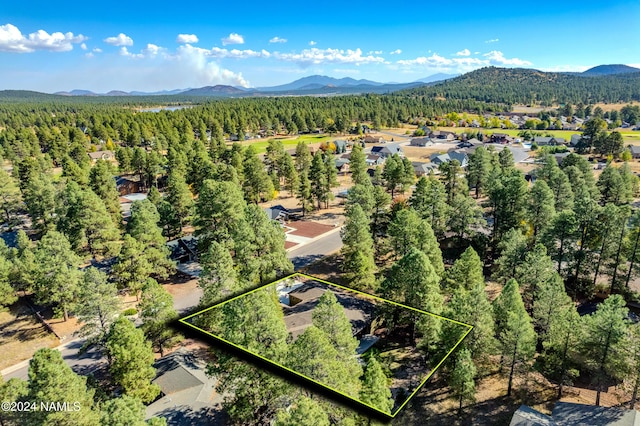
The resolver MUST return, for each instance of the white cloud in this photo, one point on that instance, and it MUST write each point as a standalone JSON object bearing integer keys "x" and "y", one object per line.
{"x": 186, "y": 38}
{"x": 191, "y": 63}
{"x": 12, "y": 40}
{"x": 217, "y": 52}
{"x": 493, "y": 40}
{"x": 88, "y": 55}
{"x": 233, "y": 38}
{"x": 119, "y": 40}
{"x": 463, "y": 52}
{"x": 316, "y": 56}
{"x": 396, "y": 52}
{"x": 148, "y": 52}
{"x": 313, "y": 43}
{"x": 83, "y": 46}
{"x": 461, "y": 63}
{"x": 278, "y": 40}
{"x": 375, "y": 52}
{"x": 497, "y": 58}
{"x": 566, "y": 68}
{"x": 97, "y": 50}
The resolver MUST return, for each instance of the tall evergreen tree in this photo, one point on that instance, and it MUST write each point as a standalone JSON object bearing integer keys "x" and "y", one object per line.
{"x": 561, "y": 344}
{"x": 103, "y": 184}
{"x": 157, "y": 312}
{"x": 375, "y": 388}
{"x": 98, "y": 306}
{"x": 429, "y": 200}
{"x": 604, "y": 341}
{"x": 10, "y": 198}
{"x": 540, "y": 207}
{"x": 131, "y": 360}
{"x": 466, "y": 272}
{"x": 57, "y": 274}
{"x": 51, "y": 380}
{"x": 218, "y": 278}
{"x": 219, "y": 208}
{"x": 358, "y": 265}
{"x": 517, "y": 337}
{"x": 479, "y": 170}
{"x": 462, "y": 378}
{"x": 358, "y": 165}
{"x": 306, "y": 412}
{"x": 179, "y": 196}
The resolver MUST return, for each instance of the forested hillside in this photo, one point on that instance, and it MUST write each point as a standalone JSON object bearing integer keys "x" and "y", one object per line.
{"x": 527, "y": 86}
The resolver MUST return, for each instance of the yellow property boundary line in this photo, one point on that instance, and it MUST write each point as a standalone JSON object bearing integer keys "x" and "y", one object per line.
{"x": 185, "y": 322}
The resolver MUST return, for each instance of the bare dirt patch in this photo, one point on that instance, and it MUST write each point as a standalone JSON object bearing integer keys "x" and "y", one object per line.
{"x": 21, "y": 334}
{"x": 309, "y": 229}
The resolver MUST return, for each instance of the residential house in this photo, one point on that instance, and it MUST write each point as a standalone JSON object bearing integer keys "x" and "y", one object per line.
{"x": 442, "y": 135}
{"x": 501, "y": 138}
{"x": 341, "y": 146}
{"x": 546, "y": 140}
{"x": 342, "y": 164}
{"x": 575, "y": 140}
{"x": 423, "y": 169}
{"x": 569, "y": 414}
{"x": 187, "y": 395}
{"x": 373, "y": 160}
{"x": 183, "y": 250}
{"x": 128, "y": 184}
{"x": 461, "y": 157}
{"x": 421, "y": 142}
{"x": 278, "y": 213}
{"x": 387, "y": 150}
{"x": 102, "y": 155}
{"x": 635, "y": 151}
{"x": 373, "y": 139}
{"x": 126, "y": 201}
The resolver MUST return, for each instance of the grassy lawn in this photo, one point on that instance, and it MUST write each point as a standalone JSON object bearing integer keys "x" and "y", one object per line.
{"x": 290, "y": 142}
{"x": 626, "y": 134}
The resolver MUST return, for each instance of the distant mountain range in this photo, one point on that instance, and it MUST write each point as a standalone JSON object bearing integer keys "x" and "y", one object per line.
{"x": 610, "y": 70}
{"x": 473, "y": 85}
{"x": 311, "y": 85}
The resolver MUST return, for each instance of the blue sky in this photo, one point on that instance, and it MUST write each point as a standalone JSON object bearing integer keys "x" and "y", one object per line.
{"x": 149, "y": 46}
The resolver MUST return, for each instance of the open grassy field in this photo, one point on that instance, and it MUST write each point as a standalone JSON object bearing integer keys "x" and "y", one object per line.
{"x": 611, "y": 107}
{"x": 628, "y": 135}
{"x": 291, "y": 142}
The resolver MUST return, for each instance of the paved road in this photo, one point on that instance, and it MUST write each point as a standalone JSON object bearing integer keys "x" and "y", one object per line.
{"x": 91, "y": 361}
{"x": 315, "y": 250}
{"x": 84, "y": 364}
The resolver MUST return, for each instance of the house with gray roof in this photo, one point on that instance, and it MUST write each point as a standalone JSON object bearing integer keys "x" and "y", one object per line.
{"x": 423, "y": 169}
{"x": 421, "y": 142}
{"x": 546, "y": 140}
{"x": 635, "y": 151}
{"x": 188, "y": 395}
{"x": 387, "y": 150}
{"x": 570, "y": 414}
{"x": 439, "y": 159}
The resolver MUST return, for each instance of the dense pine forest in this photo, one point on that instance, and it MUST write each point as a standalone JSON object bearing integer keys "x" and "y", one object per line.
{"x": 544, "y": 244}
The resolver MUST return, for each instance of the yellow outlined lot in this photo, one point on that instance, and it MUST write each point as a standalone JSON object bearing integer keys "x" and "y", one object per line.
{"x": 185, "y": 321}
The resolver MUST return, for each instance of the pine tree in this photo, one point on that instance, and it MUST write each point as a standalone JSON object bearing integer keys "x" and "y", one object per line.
{"x": 219, "y": 208}
{"x": 291, "y": 178}
{"x": 468, "y": 216}
{"x": 51, "y": 380}
{"x": 132, "y": 360}
{"x": 358, "y": 165}
{"x": 516, "y": 335}
{"x": 611, "y": 186}
{"x": 303, "y": 157}
{"x": 540, "y": 207}
{"x": 306, "y": 412}
{"x": 218, "y": 278}
{"x": 103, "y": 184}
{"x": 10, "y": 198}
{"x": 466, "y": 272}
{"x": 471, "y": 307}
{"x": 375, "y": 388}
{"x": 634, "y": 362}
{"x": 413, "y": 281}
{"x": 7, "y": 293}
{"x": 507, "y": 196}
{"x": 429, "y": 200}
{"x": 179, "y": 196}
{"x": 561, "y": 344}
{"x": 132, "y": 268}
{"x": 304, "y": 193}
{"x": 551, "y": 299}
{"x": 126, "y": 411}
{"x": 479, "y": 170}
{"x": 358, "y": 265}
{"x": 314, "y": 356}
{"x": 329, "y": 316}
{"x": 39, "y": 196}
{"x": 98, "y": 305}
{"x": 462, "y": 378}
{"x": 560, "y": 238}
{"x": 57, "y": 275}
{"x": 454, "y": 182}
{"x": 513, "y": 248}
{"x": 604, "y": 341}
{"x": 318, "y": 178}
{"x": 157, "y": 312}
{"x": 362, "y": 195}
{"x": 143, "y": 226}
{"x": 257, "y": 186}
{"x": 536, "y": 268}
